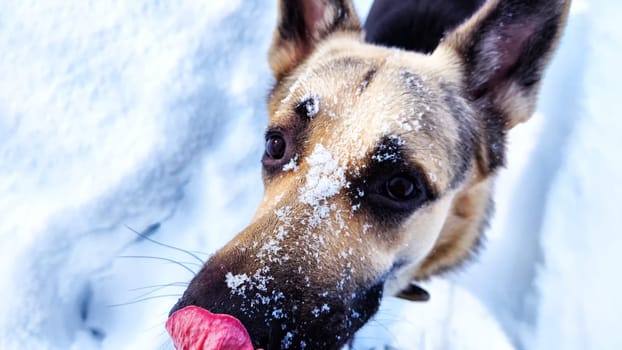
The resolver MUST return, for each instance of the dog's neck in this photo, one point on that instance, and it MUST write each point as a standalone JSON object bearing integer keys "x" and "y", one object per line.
{"x": 462, "y": 233}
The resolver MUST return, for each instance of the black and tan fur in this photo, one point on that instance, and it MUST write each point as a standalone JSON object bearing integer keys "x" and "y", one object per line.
{"x": 361, "y": 122}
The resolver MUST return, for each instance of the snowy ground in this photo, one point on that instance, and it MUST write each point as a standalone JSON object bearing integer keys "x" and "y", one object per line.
{"x": 148, "y": 115}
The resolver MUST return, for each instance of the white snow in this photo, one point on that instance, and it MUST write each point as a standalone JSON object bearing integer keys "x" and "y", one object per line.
{"x": 236, "y": 282}
{"x": 287, "y": 342}
{"x": 292, "y": 165}
{"x": 311, "y": 103}
{"x": 452, "y": 319}
{"x": 149, "y": 114}
{"x": 324, "y": 179}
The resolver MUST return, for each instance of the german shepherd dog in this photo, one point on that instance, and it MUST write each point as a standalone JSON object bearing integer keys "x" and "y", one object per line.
{"x": 379, "y": 159}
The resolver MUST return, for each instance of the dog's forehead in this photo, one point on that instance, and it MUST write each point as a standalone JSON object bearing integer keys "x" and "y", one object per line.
{"x": 355, "y": 99}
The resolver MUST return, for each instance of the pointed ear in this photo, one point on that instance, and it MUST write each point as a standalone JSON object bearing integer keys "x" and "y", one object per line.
{"x": 504, "y": 49}
{"x": 304, "y": 23}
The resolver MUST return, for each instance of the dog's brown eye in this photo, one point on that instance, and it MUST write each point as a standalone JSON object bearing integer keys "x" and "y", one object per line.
{"x": 400, "y": 188}
{"x": 275, "y": 147}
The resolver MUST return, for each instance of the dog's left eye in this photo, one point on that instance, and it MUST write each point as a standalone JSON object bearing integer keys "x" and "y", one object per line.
{"x": 394, "y": 195}
{"x": 400, "y": 188}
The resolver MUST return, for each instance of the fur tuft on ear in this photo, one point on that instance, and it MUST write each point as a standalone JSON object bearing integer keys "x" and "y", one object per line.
{"x": 304, "y": 23}
{"x": 505, "y": 48}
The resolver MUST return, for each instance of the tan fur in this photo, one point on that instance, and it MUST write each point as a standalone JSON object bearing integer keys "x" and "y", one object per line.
{"x": 517, "y": 104}
{"x": 460, "y": 235}
{"x": 361, "y": 120}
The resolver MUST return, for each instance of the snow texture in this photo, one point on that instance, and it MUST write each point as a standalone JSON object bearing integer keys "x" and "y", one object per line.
{"x": 148, "y": 115}
{"x": 311, "y": 104}
{"x": 325, "y": 177}
{"x": 292, "y": 165}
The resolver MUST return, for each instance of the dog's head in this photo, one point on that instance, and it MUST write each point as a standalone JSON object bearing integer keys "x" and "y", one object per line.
{"x": 377, "y": 166}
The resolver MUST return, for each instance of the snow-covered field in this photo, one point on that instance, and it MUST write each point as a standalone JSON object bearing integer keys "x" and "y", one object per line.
{"x": 147, "y": 116}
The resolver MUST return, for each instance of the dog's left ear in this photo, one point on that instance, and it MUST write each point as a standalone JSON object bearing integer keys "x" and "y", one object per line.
{"x": 504, "y": 49}
{"x": 304, "y": 23}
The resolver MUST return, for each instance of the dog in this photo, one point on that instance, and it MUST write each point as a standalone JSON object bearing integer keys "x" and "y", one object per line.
{"x": 380, "y": 156}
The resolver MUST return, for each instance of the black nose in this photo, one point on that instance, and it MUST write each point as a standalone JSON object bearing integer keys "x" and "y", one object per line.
{"x": 178, "y": 306}
{"x": 181, "y": 303}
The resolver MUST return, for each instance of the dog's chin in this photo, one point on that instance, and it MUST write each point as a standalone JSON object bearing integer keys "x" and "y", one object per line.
{"x": 330, "y": 326}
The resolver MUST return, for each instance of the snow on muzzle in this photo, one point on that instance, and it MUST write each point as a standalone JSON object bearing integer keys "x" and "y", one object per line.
{"x": 290, "y": 287}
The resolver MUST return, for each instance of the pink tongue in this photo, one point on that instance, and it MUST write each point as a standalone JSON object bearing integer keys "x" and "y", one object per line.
{"x": 194, "y": 328}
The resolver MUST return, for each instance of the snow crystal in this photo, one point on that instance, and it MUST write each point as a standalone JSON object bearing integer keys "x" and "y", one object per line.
{"x": 236, "y": 282}
{"x": 325, "y": 177}
{"x": 311, "y": 104}
{"x": 278, "y": 314}
{"x": 284, "y": 214}
{"x": 416, "y": 123}
{"x": 281, "y": 233}
{"x": 432, "y": 176}
{"x": 270, "y": 249}
{"x": 389, "y": 152}
{"x": 292, "y": 164}
{"x": 386, "y": 156}
{"x": 287, "y": 341}
{"x": 261, "y": 280}
{"x": 317, "y": 310}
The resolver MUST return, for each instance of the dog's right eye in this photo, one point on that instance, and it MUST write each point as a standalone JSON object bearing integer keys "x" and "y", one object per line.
{"x": 279, "y": 150}
{"x": 275, "y": 146}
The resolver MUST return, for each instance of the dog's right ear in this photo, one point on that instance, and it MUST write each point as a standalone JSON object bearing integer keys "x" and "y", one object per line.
{"x": 304, "y": 23}
{"x": 503, "y": 51}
